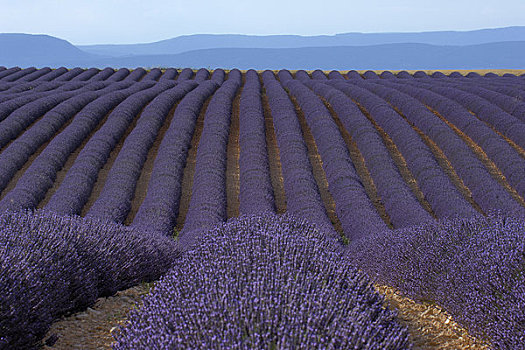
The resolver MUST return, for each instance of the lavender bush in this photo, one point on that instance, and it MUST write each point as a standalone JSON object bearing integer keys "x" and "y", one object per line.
{"x": 486, "y": 191}
{"x": 256, "y": 191}
{"x": 114, "y": 202}
{"x": 400, "y": 203}
{"x": 437, "y": 187}
{"x": 52, "y": 265}
{"x": 208, "y": 196}
{"x": 353, "y": 206}
{"x": 474, "y": 268}
{"x": 263, "y": 282}
{"x": 302, "y": 193}
{"x": 160, "y": 207}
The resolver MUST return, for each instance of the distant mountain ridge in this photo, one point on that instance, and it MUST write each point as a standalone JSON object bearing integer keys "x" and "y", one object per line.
{"x": 212, "y": 41}
{"x": 26, "y": 50}
{"x": 389, "y": 57}
{"x": 17, "y": 49}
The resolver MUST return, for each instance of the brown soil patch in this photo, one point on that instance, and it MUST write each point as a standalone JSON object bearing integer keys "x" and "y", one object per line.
{"x": 93, "y": 328}
{"x": 189, "y": 168}
{"x": 487, "y": 162}
{"x": 232, "y": 160}
{"x": 360, "y": 167}
{"x": 317, "y": 169}
{"x": 274, "y": 158}
{"x": 430, "y": 326}
{"x": 400, "y": 162}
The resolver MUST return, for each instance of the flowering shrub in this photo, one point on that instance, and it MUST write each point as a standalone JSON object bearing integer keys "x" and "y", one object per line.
{"x": 474, "y": 268}
{"x": 51, "y": 265}
{"x": 263, "y": 282}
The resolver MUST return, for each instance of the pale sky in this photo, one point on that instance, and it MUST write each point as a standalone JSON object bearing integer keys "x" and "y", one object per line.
{"x": 135, "y": 21}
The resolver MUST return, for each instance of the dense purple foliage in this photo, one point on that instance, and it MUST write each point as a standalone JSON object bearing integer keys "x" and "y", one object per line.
{"x": 35, "y": 75}
{"x": 86, "y": 75}
{"x": 160, "y": 208}
{"x": 18, "y": 75}
{"x": 335, "y": 75}
{"x": 439, "y": 191}
{"x": 474, "y": 268}
{"x": 8, "y": 72}
{"x": 185, "y": 74}
{"x": 32, "y": 187}
{"x": 370, "y": 75}
{"x": 486, "y": 191}
{"x": 103, "y": 74}
{"x": 404, "y": 75}
{"x": 70, "y": 74}
{"x": 14, "y": 156}
{"x": 169, "y": 74}
{"x": 77, "y": 186}
{"x": 319, "y": 75}
{"x": 54, "y": 74}
{"x": 354, "y": 208}
{"x": 208, "y": 196}
{"x": 201, "y": 75}
{"x": 354, "y": 75}
{"x": 505, "y": 123}
{"x": 136, "y": 75}
{"x": 256, "y": 191}
{"x": 52, "y": 265}
{"x": 302, "y": 193}
{"x": 421, "y": 75}
{"x": 263, "y": 282}
{"x": 153, "y": 74}
{"x": 22, "y": 117}
{"x": 114, "y": 202}
{"x": 499, "y": 151}
{"x": 119, "y": 75}
{"x": 387, "y": 75}
{"x": 401, "y": 205}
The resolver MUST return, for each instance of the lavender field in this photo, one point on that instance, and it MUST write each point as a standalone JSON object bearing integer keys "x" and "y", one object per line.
{"x": 264, "y": 205}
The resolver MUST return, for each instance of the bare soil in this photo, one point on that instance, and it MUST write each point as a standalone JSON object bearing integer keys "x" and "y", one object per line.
{"x": 274, "y": 159}
{"x": 189, "y": 168}
{"x": 232, "y": 161}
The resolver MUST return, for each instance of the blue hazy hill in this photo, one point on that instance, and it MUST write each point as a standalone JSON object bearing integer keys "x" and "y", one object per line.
{"x": 17, "y": 49}
{"x": 211, "y": 41}
{"x": 26, "y": 50}
{"x": 390, "y": 56}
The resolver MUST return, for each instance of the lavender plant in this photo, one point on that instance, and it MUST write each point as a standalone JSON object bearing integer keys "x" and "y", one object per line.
{"x": 353, "y": 206}
{"x": 160, "y": 207}
{"x": 256, "y": 191}
{"x": 263, "y": 282}
{"x": 474, "y": 268}
{"x": 51, "y": 265}
{"x": 400, "y": 203}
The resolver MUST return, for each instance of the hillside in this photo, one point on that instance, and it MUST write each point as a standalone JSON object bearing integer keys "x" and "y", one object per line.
{"x": 38, "y": 50}
{"x": 210, "y": 41}
{"x": 389, "y": 56}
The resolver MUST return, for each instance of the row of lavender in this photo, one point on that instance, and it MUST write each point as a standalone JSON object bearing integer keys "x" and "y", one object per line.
{"x": 382, "y": 102}
{"x": 146, "y": 105}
